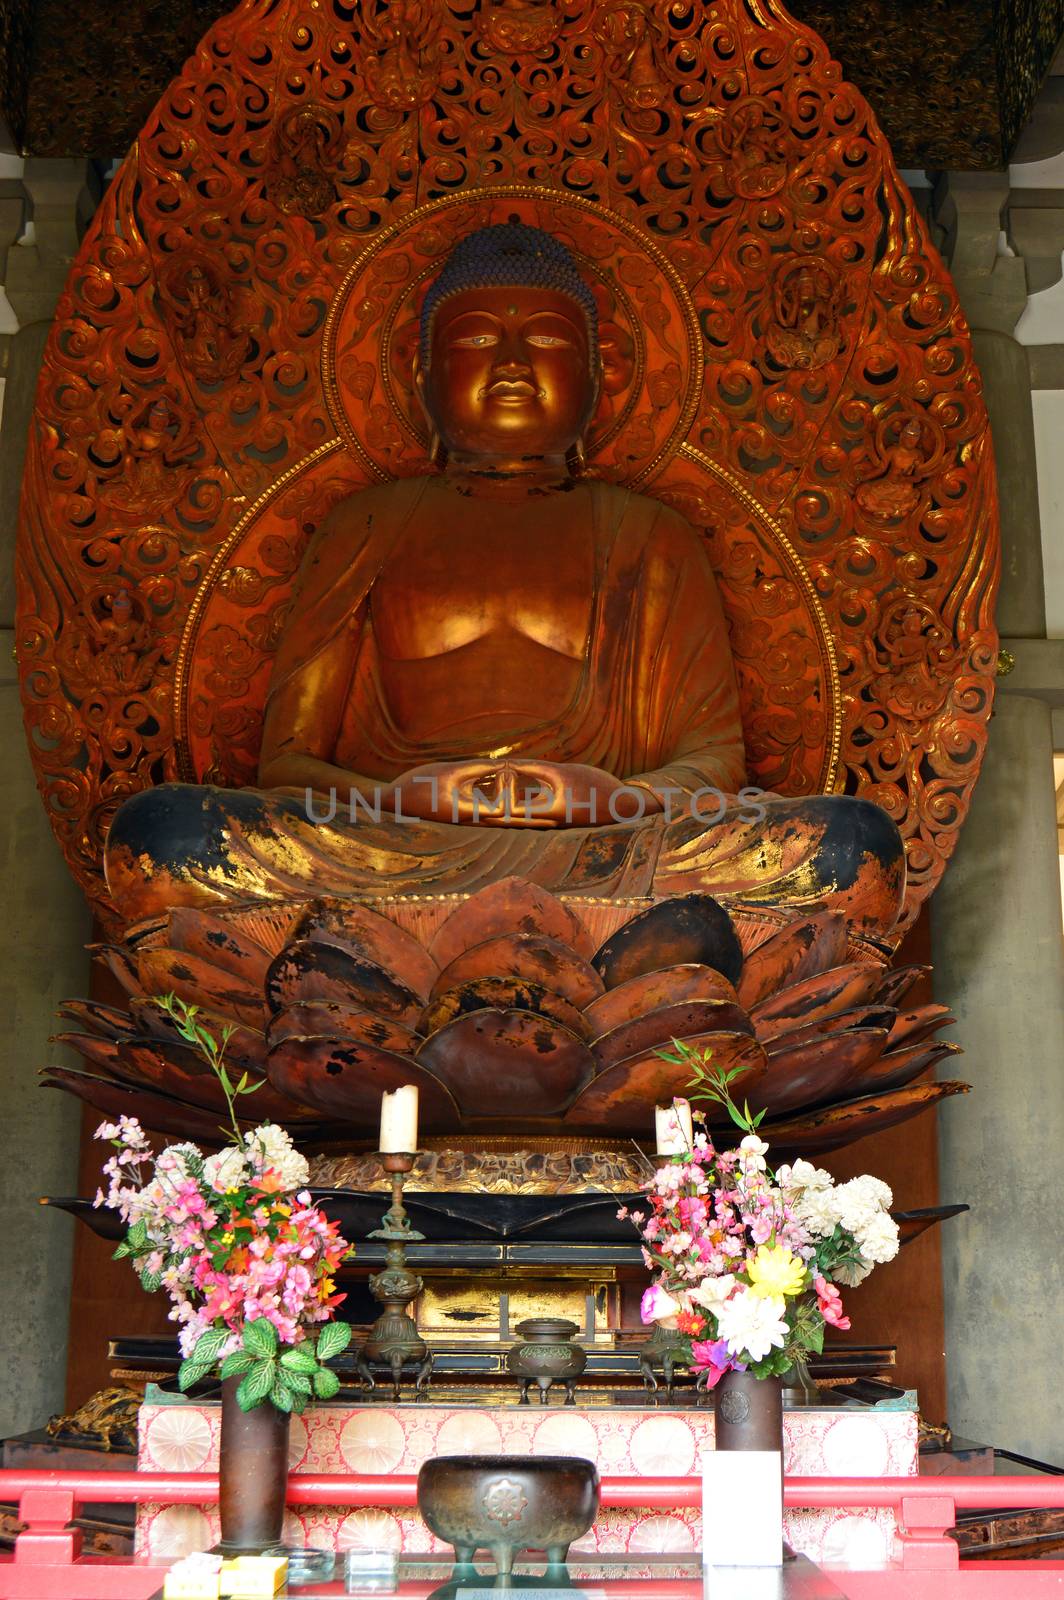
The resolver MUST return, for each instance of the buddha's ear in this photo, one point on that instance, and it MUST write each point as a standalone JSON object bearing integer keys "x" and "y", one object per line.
{"x": 419, "y": 386}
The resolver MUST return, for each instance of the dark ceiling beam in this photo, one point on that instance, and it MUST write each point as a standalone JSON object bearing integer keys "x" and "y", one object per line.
{"x": 952, "y": 81}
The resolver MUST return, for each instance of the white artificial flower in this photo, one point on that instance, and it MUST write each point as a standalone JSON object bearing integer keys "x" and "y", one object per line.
{"x": 711, "y": 1293}
{"x": 803, "y": 1177}
{"x": 858, "y": 1201}
{"x": 752, "y": 1153}
{"x": 878, "y": 1239}
{"x": 226, "y": 1170}
{"x": 752, "y": 1324}
{"x": 271, "y": 1146}
{"x": 817, "y": 1212}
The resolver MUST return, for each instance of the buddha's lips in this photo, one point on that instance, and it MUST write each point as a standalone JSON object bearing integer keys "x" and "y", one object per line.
{"x": 511, "y": 392}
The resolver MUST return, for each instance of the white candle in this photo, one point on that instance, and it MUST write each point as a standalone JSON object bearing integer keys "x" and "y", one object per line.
{"x": 674, "y": 1128}
{"x": 399, "y": 1121}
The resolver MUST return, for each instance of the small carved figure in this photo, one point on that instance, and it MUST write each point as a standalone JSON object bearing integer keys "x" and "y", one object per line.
{"x": 154, "y": 442}
{"x": 902, "y": 458}
{"x": 753, "y": 139}
{"x": 214, "y": 344}
{"x": 110, "y": 644}
{"x": 628, "y": 35}
{"x": 308, "y": 144}
{"x": 806, "y": 296}
{"x": 405, "y": 36}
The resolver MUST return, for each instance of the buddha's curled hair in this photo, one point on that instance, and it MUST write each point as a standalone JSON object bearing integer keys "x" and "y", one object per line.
{"x": 509, "y": 255}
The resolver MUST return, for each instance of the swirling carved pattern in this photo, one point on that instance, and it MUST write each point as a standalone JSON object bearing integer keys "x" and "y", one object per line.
{"x": 187, "y": 439}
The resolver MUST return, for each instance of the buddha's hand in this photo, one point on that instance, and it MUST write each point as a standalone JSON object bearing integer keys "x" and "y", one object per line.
{"x": 518, "y": 794}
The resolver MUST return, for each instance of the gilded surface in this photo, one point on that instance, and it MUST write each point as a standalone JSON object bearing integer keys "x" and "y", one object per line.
{"x": 487, "y": 1170}
{"x": 709, "y": 161}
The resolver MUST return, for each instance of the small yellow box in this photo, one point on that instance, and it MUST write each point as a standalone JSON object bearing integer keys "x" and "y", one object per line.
{"x": 253, "y": 1577}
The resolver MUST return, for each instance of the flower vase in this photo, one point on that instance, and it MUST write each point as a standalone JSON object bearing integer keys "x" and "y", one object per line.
{"x": 748, "y": 1412}
{"x": 252, "y": 1474}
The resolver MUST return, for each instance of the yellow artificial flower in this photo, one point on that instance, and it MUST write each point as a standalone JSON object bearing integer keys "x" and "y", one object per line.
{"x": 775, "y": 1271}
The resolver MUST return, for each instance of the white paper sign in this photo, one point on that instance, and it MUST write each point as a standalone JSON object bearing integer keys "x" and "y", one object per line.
{"x": 742, "y": 1508}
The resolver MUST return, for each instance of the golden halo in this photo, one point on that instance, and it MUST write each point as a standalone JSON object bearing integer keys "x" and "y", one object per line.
{"x": 371, "y": 303}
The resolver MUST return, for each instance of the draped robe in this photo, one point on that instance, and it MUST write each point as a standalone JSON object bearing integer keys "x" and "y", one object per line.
{"x": 655, "y": 702}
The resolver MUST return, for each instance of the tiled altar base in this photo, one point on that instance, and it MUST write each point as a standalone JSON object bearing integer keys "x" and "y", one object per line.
{"x": 628, "y": 1441}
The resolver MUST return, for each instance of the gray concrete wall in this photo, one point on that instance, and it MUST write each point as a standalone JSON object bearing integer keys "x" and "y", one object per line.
{"x": 44, "y": 923}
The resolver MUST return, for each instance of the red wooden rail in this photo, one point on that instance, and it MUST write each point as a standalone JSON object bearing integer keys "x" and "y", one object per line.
{"x": 47, "y": 1562}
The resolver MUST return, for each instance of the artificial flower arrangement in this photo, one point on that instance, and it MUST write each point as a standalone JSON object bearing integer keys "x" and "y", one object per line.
{"x": 247, "y": 1258}
{"x": 748, "y": 1260}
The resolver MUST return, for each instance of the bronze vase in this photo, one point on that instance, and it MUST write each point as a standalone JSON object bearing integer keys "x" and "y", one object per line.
{"x": 748, "y": 1413}
{"x": 252, "y": 1474}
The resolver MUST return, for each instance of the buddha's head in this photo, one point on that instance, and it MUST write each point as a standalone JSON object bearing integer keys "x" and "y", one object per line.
{"x": 508, "y": 362}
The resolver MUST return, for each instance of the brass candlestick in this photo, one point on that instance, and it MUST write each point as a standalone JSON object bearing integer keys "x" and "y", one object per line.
{"x": 394, "y": 1342}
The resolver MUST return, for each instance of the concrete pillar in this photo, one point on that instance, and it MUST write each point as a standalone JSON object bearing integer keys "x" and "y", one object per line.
{"x": 998, "y": 948}
{"x": 45, "y": 923}
{"x": 999, "y": 962}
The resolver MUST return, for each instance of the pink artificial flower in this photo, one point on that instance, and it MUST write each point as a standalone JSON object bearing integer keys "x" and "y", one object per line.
{"x": 657, "y": 1304}
{"x": 829, "y": 1303}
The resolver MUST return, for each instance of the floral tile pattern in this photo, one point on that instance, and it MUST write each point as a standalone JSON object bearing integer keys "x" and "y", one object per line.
{"x": 630, "y": 1441}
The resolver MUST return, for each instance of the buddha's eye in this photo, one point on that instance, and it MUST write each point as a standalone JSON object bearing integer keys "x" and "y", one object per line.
{"x": 548, "y": 341}
{"x": 474, "y": 341}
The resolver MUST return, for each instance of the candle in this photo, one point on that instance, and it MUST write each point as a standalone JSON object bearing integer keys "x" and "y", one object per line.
{"x": 399, "y": 1121}
{"x": 674, "y": 1129}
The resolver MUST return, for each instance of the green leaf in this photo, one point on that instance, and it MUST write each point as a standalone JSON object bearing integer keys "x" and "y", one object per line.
{"x": 190, "y": 1372}
{"x": 299, "y": 1359}
{"x": 334, "y": 1337}
{"x": 137, "y": 1237}
{"x": 235, "y": 1363}
{"x": 257, "y": 1385}
{"x": 121, "y": 1251}
{"x": 260, "y": 1337}
{"x": 208, "y": 1345}
{"x": 252, "y": 1088}
{"x": 326, "y": 1383}
{"x": 150, "y": 1281}
{"x": 280, "y": 1394}
{"x": 298, "y": 1382}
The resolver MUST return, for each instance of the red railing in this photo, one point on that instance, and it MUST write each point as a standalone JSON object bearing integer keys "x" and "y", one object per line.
{"x": 47, "y": 1563}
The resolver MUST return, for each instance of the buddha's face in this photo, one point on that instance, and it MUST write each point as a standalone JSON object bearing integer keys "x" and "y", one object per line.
{"x": 509, "y": 373}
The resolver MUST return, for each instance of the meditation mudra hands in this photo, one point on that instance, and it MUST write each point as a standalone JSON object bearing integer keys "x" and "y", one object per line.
{"x": 515, "y": 793}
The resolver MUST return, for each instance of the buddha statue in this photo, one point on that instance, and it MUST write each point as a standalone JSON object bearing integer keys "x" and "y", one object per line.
{"x": 505, "y": 667}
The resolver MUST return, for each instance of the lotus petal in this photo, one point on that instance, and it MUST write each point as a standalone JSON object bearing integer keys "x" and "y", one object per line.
{"x": 818, "y": 1070}
{"x": 330, "y": 1019}
{"x": 316, "y": 969}
{"x": 156, "y": 1111}
{"x": 508, "y": 1063}
{"x": 246, "y": 1048}
{"x": 513, "y": 905}
{"x": 503, "y": 994}
{"x": 370, "y": 937}
{"x": 219, "y": 940}
{"x": 840, "y": 989}
{"x": 912, "y": 1026}
{"x": 895, "y": 985}
{"x": 93, "y": 1046}
{"x": 897, "y": 1067}
{"x": 106, "y": 1022}
{"x": 873, "y": 1016}
{"x": 190, "y": 978}
{"x": 525, "y": 955}
{"x": 619, "y": 1098}
{"x": 692, "y": 928}
{"x": 816, "y": 944}
{"x": 179, "y": 1070}
{"x": 633, "y": 998}
{"x": 685, "y": 1020}
{"x": 345, "y": 1078}
{"x": 813, "y": 1132}
{"x": 121, "y": 963}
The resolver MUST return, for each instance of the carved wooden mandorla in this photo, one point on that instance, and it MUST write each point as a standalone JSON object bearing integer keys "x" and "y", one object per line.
{"x": 785, "y": 362}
